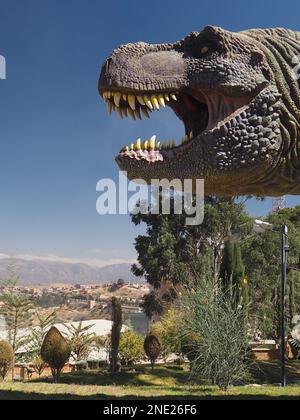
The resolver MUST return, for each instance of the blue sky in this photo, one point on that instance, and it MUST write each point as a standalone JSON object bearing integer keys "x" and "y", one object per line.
{"x": 56, "y": 140}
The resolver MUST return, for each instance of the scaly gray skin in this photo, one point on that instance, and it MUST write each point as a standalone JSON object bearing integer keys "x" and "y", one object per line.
{"x": 236, "y": 92}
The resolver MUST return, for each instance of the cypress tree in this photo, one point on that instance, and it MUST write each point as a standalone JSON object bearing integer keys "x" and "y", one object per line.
{"x": 116, "y": 317}
{"x": 227, "y": 268}
{"x": 235, "y": 284}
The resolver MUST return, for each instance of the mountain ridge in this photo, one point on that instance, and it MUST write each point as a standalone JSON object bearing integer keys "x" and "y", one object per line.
{"x": 38, "y": 271}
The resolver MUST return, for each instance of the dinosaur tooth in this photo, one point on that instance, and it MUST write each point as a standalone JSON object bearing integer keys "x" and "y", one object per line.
{"x": 145, "y": 112}
{"x": 138, "y": 144}
{"x": 140, "y": 100}
{"x": 137, "y": 113}
{"x": 124, "y": 96}
{"x": 132, "y": 147}
{"x": 124, "y": 149}
{"x": 173, "y": 96}
{"x": 145, "y": 145}
{"x": 191, "y": 135}
{"x": 167, "y": 98}
{"x": 131, "y": 101}
{"x": 172, "y": 144}
{"x": 117, "y": 98}
{"x": 148, "y": 102}
{"x": 158, "y": 146}
{"x": 161, "y": 101}
{"x": 131, "y": 113}
{"x": 110, "y": 107}
{"x": 152, "y": 143}
{"x": 155, "y": 102}
{"x": 119, "y": 111}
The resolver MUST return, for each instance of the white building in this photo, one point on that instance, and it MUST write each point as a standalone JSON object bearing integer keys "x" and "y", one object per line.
{"x": 99, "y": 327}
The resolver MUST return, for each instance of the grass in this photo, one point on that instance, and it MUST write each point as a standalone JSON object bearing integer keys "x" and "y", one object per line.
{"x": 166, "y": 382}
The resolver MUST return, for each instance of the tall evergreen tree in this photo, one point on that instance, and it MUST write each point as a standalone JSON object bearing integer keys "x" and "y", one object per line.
{"x": 116, "y": 317}
{"x": 16, "y": 310}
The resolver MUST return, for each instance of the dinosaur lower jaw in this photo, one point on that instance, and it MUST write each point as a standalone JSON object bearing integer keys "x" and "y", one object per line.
{"x": 202, "y": 112}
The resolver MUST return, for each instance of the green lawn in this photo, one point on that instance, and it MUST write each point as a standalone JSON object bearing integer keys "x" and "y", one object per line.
{"x": 166, "y": 382}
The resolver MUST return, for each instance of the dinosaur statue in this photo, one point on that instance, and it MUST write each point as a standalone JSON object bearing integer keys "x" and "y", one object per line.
{"x": 238, "y": 97}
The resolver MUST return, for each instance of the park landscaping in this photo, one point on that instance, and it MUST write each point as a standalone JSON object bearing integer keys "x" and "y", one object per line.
{"x": 167, "y": 381}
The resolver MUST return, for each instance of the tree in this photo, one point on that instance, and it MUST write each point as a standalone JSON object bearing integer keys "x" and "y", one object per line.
{"x": 152, "y": 304}
{"x": 16, "y": 310}
{"x": 116, "y": 318}
{"x": 38, "y": 333}
{"x": 131, "y": 348}
{"x": 6, "y": 358}
{"x": 80, "y": 340}
{"x": 172, "y": 252}
{"x": 234, "y": 281}
{"x": 103, "y": 342}
{"x": 152, "y": 348}
{"x": 39, "y": 365}
{"x": 261, "y": 257}
{"x": 168, "y": 329}
{"x": 219, "y": 344}
{"x": 55, "y": 352}
{"x": 121, "y": 282}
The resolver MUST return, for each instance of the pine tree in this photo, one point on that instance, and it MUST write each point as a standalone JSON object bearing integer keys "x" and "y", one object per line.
{"x": 16, "y": 310}
{"x": 80, "y": 340}
{"x": 38, "y": 333}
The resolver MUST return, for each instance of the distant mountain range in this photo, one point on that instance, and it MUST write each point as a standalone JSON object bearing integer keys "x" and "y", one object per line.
{"x": 41, "y": 272}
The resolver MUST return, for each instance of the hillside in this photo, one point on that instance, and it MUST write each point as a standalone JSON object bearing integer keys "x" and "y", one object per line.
{"x": 36, "y": 272}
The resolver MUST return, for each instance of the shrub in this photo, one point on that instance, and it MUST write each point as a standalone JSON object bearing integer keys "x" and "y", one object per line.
{"x": 6, "y": 358}
{"x": 169, "y": 330}
{"x": 152, "y": 347}
{"x": 39, "y": 365}
{"x": 188, "y": 346}
{"x": 55, "y": 351}
{"x": 215, "y": 336}
{"x": 131, "y": 348}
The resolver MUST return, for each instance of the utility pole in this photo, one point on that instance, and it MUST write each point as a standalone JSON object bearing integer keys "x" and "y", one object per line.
{"x": 259, "y": 227}
{"x": 284, "y": 254}
{"x": 278, "y": 203}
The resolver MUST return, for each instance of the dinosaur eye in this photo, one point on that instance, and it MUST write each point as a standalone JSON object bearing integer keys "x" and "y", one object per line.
{"x": 204, "y": 50}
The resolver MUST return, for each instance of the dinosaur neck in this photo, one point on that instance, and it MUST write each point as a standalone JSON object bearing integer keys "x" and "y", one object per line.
{"x": 280, "y": 47}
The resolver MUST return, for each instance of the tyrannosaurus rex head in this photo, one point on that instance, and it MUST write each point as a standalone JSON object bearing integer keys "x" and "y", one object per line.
{"x": 227, "y": 90}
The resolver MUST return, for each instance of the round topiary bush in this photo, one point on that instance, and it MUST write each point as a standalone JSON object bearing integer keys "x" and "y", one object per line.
{"x": 152, "y": 347}
{"x": 6, "y": 358}
{"x": 55, "y": 351}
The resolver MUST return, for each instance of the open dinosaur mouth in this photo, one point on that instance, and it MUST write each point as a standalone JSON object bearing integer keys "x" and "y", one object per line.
{"x": 201, "y": 111}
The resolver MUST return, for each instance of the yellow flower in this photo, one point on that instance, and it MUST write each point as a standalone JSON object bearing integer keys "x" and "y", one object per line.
{"x": 245, "y": 281}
